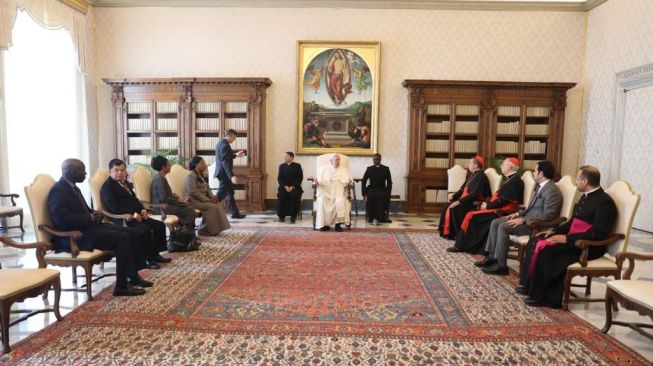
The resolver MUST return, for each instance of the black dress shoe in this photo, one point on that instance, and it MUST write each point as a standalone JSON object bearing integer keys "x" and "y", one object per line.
{"x": 496, "y": 270}
{"x": 521, "y": 290}
{"x": 325, "y": 228}
{"x": 152, "y": 264}
{"x": 370, "y": 221}
{"x": 281, "y": 219}
{"x": 140, "y": 282}
{"x": 488, "y": 261}
{"x": 453, "y": 250}
{"x": 129, "y": 290}
{"x": 532, "y": 302}
{"x": 385, "y": 221}
{"x": 161, "y": 259}
{"x": 292, "y": 220}
{"x": 338, "y": 228}
{"x": 238, "y": 216}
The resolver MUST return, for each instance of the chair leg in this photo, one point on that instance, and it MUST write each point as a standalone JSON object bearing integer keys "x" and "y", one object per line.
{"x": 567, "y": 291}
{"x": 75, "y": 275}
{"x": 4, "y": 326}
{"x": 588, "y": 286}
{"x": 520, "y": 257}
{"x": 57, "y": 296}
{"x": 609, "y": 304}
{"x": 21, "y": 222}
{"x": 88, "y": 268}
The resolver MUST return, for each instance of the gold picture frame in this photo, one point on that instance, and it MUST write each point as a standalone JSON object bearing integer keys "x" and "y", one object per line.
{"x": 338, "y": 97}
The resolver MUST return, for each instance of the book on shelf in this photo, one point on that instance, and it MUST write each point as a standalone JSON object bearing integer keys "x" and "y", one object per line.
{"x": 167, "y": 107}
{"x": 238, "y": 124}
{"x": 206, "y": 143}
{"x": 239, "y": 194}
{"x": 537, "y": 129}
{"x": 441, "y": 109}
{"x": 208, "y": 159}
{"x": 466, "y": 145}
{"x": 139, "y": 159}
{"x": 138, "y": 107}
{"x": 438, "y": 127}
{"x": 168, "y": 143}
{"x": 166, "y": 124}
{"x": 508, "y": 111}
{"x": 529, "y": 164}
{"x": 537, "y": 111}
{"x": 236, "y": 107}
{"x": 436, "y": 196}
{"x": 437, "y": 145}
{"x": 467, "y": 126}
{"x": 461, "y": 162}
{"x": 207, "y": 107}
{"x": 139, "y": 124}
{"x": 207, "y": 124}
{"x": 535, "y": 147}
{"x": 508, "y": 128}
{"x": 467, "y": 110}
{"x": 139, "y": 143}
{"x": 507, "y": 147}
{"x": 240, "y": 161}
{"x": 239, "y": 144}
{"x": 436, "y": 163}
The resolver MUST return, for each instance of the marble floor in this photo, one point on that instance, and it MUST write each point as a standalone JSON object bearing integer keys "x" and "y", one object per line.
{"x": 593, "y": 313}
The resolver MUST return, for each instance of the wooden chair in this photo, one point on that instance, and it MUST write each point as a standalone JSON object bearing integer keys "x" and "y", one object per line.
{"x": 627, "y": 202}
{"x": 494, "y": 178}
{"x": 569, "y": 197}
{"x": 37, "y": 198}
{"x": 634, "y": 295}
{"x": 456, "y": 176}
{"x": 177, "y": 180}
{"x": 321, "y": 161}
{"x": 18, "y": 284}
{"x": 11, "y": 211}
{"x": 143, "y": 189}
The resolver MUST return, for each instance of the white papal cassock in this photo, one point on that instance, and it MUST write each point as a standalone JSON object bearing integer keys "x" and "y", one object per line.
{"x": 332, "y": 205}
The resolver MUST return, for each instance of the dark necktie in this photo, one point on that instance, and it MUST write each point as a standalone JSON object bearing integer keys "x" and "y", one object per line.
{"x": 124, "y": 186}
{"x": 78, "y": 193}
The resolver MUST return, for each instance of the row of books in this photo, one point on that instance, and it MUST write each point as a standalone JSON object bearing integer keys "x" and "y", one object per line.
{"x": 510, "y": 147}
{"x": 138, "y": 107}
{"x": 508, "y": 128}
{"x": 167, "y": 107}
{"x": 467, "y": 126}
{"x": 139, "y": 124}
{"x": 236, "y": 107}
{"x": 436, "y": 163}
{"x": 537, "y": 129}
{"x": 139, "y": 159}
{"x": 207, "y": 124}
{"x": 529, "y": 164}
{"x": 438, "y": 127}
{"x": 206, "y": 143}
{"x": 537, "y": 111}
{"x": 535, "y": 147}
{"x": 241, "y": 161}
{"x": 167, "y": 143}
{"x": 466, "y": 146}
{"x": 240, "y": 143}
{"x": 166, "y": 124}
{"x": 467, "y": 110}
{"x": 509, "y": 111}
{"x": 434, "y": 109}
{"x": 239, "y": 124}
{"x": 207, "y": 107}
{"x": 437, "y": 145}
{"x": 139, "y": 143}
{"x": 461, "y": 162}
{"x": 436, "y": 195}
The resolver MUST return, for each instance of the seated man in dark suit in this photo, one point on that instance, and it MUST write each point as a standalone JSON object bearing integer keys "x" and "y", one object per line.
{"x": 119, "y": 198}
{"x": 69, "y": 212}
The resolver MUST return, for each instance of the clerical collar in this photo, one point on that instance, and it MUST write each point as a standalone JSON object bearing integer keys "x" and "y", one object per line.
{"x": 511, "y": 175}
{"x": 592, "y": 191}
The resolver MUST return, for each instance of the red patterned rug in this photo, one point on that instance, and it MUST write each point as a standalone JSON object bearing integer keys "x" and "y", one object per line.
{"x": 295, "y": 296}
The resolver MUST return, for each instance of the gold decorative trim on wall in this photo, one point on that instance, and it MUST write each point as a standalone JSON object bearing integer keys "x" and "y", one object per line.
{"x": 79, "y": 5}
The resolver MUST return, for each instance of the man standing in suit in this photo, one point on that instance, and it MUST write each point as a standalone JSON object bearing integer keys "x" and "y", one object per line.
{"x": 224, "y": 171}
{"x": 119, "y": 198}
{"x": 289, "y": 194}
{"x": 377, "y": 193}
{"x": 545, "y": 205}
{"x": 69, "y": 212}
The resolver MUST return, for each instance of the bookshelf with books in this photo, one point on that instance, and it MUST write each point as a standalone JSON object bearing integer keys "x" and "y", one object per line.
{"x": 188, "y": 116}
{"x": 452, "y": 121}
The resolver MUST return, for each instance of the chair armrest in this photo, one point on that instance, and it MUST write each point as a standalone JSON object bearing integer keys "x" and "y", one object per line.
{"x": 151, "y": 206}
{"x": 586, "y": 244}
{"x": 126, "y": 217}
{"x": 72, "y": 236}
{"x": 12, "y": 196}
{"x": 41, "y": 248}
{"x": 536, "y": 224}
{"x": 631, "y": 256}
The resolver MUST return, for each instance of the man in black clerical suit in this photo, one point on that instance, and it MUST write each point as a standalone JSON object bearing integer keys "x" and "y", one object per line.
{"x": 377, "y": 193}
{"x": 119, "y": 198}
{"x": 224, "y": 171}
{"x": 594, "y": 216}
{"x": 69, "y": 211}
{"x": 289, "y": 194}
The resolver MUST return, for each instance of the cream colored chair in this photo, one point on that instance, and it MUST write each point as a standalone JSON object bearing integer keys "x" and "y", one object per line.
{"x": 321, "y": 161}
{"x": 516, "y": 247}
{"x": 529, "y": 186}
{"x": 456, "y": 177}
{"x": 11, "y": 211}
{"x": 627, "y": 202}
{"x": 569, "y": 198}
{"x": 634, "y": 295}
{"x": 37, "y": 198}
{"x": 143, "y": 185}
{"x": 18, "y": 284}
{"x": 494, "y": 178}
{"x": 177, "y": 180}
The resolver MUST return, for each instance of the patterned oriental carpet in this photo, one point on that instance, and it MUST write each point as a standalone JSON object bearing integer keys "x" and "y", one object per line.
{"x": 280, "y": 296}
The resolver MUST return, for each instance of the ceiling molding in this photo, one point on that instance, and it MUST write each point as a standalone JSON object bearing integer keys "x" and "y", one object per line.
{"x": 79, "y": 5}
{"x": 487, "y": 5}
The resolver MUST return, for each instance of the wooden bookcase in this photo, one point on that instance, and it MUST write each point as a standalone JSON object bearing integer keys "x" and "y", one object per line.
{"x": 452, "y": 121}
{"x": 188, "y": 116}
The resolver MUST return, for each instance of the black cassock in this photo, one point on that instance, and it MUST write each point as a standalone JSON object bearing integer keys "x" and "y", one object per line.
{"x": 547, "y": 283}
{"x": 475, "y": 188}
{"x": 288, "y": 202}
{"x": 377, "y": 192}
{"x": 476, "y": 224}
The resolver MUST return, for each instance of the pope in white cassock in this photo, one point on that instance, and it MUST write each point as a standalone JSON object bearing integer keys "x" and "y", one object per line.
{"x": 332, "y": 205}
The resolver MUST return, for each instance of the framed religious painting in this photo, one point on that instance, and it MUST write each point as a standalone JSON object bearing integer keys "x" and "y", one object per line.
{"x": 338, "y": 97}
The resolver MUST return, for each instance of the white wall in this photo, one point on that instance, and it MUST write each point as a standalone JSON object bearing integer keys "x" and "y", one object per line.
{"x": 415, "y": 44}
